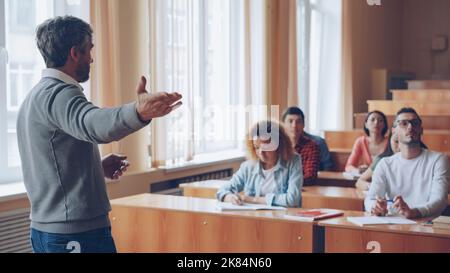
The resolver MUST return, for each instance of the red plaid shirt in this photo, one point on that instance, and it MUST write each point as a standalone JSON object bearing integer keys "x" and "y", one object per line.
{"x": 310, "y": 153}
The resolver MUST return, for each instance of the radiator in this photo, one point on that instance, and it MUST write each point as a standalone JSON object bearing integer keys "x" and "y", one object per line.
{"x": 171, "y": 187}
{"x": 15, "y": 231}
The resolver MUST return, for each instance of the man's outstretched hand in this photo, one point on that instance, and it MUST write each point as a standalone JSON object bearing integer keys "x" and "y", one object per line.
{"x": 114, "y": 166}
{"x": 150, "y": 106}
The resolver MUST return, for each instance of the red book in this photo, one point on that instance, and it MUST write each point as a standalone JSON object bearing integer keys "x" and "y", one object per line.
{"x": 314, "y": 215}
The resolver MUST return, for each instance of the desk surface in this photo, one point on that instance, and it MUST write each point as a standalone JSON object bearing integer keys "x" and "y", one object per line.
{"x": 176, "y": 224}
{"x": 418, "y": 229}
{"x": 207, "y": 184}
{"x": 337, "y": 192}
{"x": 162, "y": 223}
{"x": 312, "y": 196}
{"x": 195, "y": 205}
{"x": 333, "y": 178}
{"x": 201, "y": 205}
{"x": 334, "y": 175}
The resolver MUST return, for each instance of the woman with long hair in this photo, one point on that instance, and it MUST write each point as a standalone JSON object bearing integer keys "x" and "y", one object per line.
{"x": 273, "y": 173}
{"x": 367, "y": 148}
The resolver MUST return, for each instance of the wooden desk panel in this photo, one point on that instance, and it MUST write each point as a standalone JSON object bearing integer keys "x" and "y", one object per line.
{"x": 340, "y": 157}
{"x": 167, "y": 224}
{"x": 313, "y": 197}
{"x": 438, "y": 95}
{"x": 429, "y": 84}
{"x": 437, "y": 140}
{"x": 333, "y": 198}
{"x": 334, "y": 179}
{"x": 423, "y": 108}
{"x": 202, "y": 189}
{"x": 342, "y": 236}
{"x": 441, "y": 122}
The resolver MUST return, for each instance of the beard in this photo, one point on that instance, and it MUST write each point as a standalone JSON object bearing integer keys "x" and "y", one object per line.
{"x": 83, "y": 73}
{"x": 410, "y": 141}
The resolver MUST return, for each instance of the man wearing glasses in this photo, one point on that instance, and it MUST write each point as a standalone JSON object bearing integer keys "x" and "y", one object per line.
{"x": 414, "y": 182}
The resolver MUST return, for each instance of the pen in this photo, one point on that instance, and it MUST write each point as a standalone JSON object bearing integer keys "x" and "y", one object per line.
{"x": 389, "y": 200}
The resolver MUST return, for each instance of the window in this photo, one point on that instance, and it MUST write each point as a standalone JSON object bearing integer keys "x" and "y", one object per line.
{"x": 21, "y": 65}
{"x": 198, "y": 45}
{"x": 319, "y": 33}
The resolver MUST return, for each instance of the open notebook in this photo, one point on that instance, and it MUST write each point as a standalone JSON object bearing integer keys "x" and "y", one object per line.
{"x": 351, "y": 175}
{"x": 374, "y": 220}
{"x": 222, "y": 206}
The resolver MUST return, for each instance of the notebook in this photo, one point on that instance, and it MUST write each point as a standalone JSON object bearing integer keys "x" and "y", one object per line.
{"x": 222, "y": 206}
{"x": 442, "y": 222}
{"x": 351, "y": 175}
{"x": 314, "y": 215}
{"x": 374, "y": 220}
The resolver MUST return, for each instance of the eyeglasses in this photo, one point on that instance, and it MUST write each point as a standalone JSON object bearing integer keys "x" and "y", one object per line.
{"x": 405, "y": 122}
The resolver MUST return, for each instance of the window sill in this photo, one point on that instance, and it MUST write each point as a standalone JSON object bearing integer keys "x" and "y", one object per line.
{"x": 12, "y": 191}
{"x": 205, "y": 160}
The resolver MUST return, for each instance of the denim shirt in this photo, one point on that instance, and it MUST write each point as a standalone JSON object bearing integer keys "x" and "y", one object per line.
{"x": 288, "y": 177}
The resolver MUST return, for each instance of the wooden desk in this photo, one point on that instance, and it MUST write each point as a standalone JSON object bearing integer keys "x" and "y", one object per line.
{"x": 340, "y": 157}
{"x": 342, "y": 236}
{"x": 429, "y": 84}
{"x": 335, "y": 179}
{"x": 333, "y": 197}
{"x": 436, "y": 140}
{"x": 313, "y": 197}
{"x": 439, "y": 95}
{"x": 439, "y": 122}
{"x": 167, "y": 224}
{"x": 202, "y": 189}
{"x": 423, "y": 108}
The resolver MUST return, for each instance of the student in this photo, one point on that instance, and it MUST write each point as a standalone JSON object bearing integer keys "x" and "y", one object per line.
{"x": 325, "y": 160}
{"x": 294, "y": 122}
{"x": 364, "y": 181}
{"x": 58, "y": 130}
{"x": 273, "y": 174}
{"x": 415, "y": 180}
{"x": 368, "y": 148}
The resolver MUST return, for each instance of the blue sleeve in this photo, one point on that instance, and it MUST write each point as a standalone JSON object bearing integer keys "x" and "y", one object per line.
{"x": 237, "y": 182}
{"x": 292, "y": 198}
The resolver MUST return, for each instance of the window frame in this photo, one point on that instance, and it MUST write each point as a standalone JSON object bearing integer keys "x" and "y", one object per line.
{"x": 6, "y": 174}
{"x": 304, "y": 56}
{"x": 56, "y": 7}
{"x": 199, "y": 147}
{"x": 205, "y": 147}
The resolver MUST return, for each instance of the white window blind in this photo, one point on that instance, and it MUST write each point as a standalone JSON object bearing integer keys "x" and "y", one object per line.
{"x": 320, "y": 39}
{"x": 198, "y": 51}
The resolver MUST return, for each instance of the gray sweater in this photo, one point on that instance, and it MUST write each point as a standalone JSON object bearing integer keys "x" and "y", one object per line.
{"x": 58, "y": 131}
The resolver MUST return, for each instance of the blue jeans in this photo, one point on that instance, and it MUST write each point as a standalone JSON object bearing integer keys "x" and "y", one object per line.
{"x": 94, "y": 241}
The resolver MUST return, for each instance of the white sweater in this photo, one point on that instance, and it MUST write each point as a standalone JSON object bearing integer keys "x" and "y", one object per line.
{"x": 422, "y": 182}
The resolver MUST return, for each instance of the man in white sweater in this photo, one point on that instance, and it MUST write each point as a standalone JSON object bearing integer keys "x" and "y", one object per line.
{"x": 414, "y": 181}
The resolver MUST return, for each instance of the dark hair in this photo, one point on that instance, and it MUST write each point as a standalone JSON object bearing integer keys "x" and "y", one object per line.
{"x": 383, "y": 116}
{"x": 406, "y": 110}
{"x": 389, "y": 151}
{"x": 55, "y": 37}
{"x": 293, "y": 111}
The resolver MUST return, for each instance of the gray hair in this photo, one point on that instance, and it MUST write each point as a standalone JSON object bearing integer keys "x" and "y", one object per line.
{"x": 55, "y": 37}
